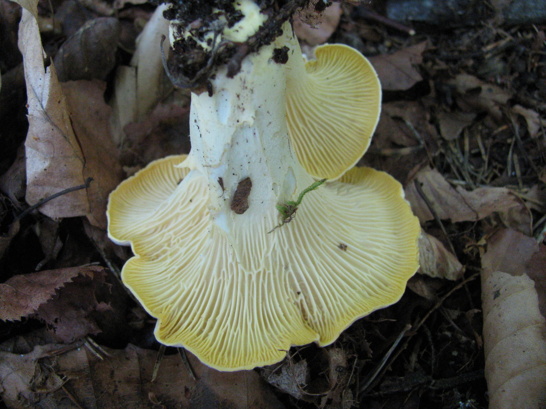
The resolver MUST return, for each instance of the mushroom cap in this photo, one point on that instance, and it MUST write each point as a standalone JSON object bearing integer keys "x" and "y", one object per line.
{"x": 332, "y": 109}
{"x": 240, "y": 299}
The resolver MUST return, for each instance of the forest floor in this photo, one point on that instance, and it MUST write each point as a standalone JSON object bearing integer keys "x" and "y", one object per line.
{"x": 462, "y": 128}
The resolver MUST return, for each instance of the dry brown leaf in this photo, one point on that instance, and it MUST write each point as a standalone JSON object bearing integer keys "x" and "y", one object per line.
{"x": 536, "y": 270}
{"x": 476, "y": 94}
{"x": 315, "y": 33}
{"x": 68, "y": 139}
{"x": 403, "y": 139}
{"x": 26, "y": 379}
{"x": 90, "y": 116}
{"x": 514, "y": 329}
{"x": 436, "y": 261}
{"x": 22, "y": 295}
{"x": 397, "y": 71}
{"x": 12, "y": 183}
{"x": 54, "y": 158}
{"x": 425, "y": 287}
{"x": 458, "y": 204}
{"x": 291, "y": 378}
{"x": 339, "y": 375}
{"x": 515, "y": 253}
{"x": 122, "y": 379}
{"x": 72, "y": 313}
{"x": 452, "y": 123}
{"x": 535, "y": 124}
{"x": 89, "y": 53}
{"x": 29, "y": 5}
{"x": 47, "y": 231}
{"x": 5, "y": 239}
{"x": 164, "y": 131}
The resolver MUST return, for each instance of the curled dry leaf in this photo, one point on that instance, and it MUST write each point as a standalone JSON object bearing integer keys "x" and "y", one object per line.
{"x": 515, "y": 344}
{"x": 457, "y": 204}
{"x": 535, "y": 124}
{"x": 477, "y": 95}
{"x": 54, "y": 158}
{"x": 291, "y": 378}
{"x": 122, "y": 379}
{"x": 91, "y": 52}
{"x": 436, "y": 261}
{"x": 452, "y": 123}
{"x": 397, "y": 71}
{"x": 68, "y": 139}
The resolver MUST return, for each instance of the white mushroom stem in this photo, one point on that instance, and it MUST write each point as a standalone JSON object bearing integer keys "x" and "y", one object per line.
{"x": 241, "y": 132}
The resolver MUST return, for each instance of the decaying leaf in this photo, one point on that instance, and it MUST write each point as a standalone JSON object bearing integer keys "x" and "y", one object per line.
{"x": 339, "y": 394}
{"x": 27, "y": 379}
{"x": 72, "y": 313}
{"x": 403, "y": 140}
{"x": 514, "y": 329}
{"x": 22, "y": 295}
{"x": 29, "y": 5}
{"x": 91, "y": 52}
{"x": 436, "y": 261}
{"x": 5, "y": 239}
{"x": 475, "y": 94}
{"x": 13, "y": 182}
{"x": 68, "y": 139}
{"x": 164, "y": 131}
{"x": 458, "y": 204}
{"x": 452, "y": 123}
{"x": 291, "y": 378}
{"x": 89, "y": 115}
{"x": 122, "y": 379}
{"x": 54, "y": 157}
{"x": 397, "y": 71}
{"x": 535, "y": 124}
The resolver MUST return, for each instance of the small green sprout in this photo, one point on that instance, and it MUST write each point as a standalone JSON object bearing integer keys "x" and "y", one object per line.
{"x": 289, "y": 208}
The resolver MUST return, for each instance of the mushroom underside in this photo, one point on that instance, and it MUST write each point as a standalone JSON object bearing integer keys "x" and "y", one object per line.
{"x": 240, "y": 298}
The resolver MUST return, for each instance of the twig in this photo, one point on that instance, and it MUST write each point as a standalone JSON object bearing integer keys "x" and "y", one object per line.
{"x": 366, "y": 13}
{"x": 71, "y": 397}
{"x": 427, "y": 315}
{"x": 445, "y": 297}
{"x": 187, "y": 363}
{"x": 384, "y": 359}
{"x": 158, "y": 360}
{"x": 95, "y": 348}
{"x": 54, "y": 196}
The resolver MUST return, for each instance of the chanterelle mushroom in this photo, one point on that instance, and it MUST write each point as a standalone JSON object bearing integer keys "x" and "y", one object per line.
{"x": 205, "y": 265}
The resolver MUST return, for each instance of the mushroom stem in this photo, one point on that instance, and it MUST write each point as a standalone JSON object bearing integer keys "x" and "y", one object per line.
{"x": 240, "y": 140}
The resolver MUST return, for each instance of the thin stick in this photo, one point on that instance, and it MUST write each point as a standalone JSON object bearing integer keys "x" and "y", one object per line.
{"x": 187, "y": 363}
{"x": 158, "y": 360}
{"x": 372, "y": 15}
{"x": 385, "y": 359}
{"x": 54, "y": 196}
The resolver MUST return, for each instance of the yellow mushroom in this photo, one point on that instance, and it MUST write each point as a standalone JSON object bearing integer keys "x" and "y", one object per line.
{"x": 209, "y": 265}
